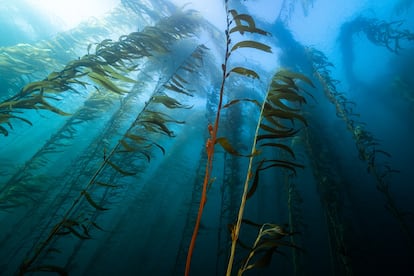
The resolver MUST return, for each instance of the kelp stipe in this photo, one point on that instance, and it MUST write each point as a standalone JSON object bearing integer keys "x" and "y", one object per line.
{"x": 271, "y": 127}
{"x": 367, "y": 145}
{"x": 213, "y": 128}
{"x": 330, "y": 189}
{"x": 107, "y": 65}
{"x": 110, "y": 61}
{"x": 379, "y": 32}
{"x": 135, "y": 142}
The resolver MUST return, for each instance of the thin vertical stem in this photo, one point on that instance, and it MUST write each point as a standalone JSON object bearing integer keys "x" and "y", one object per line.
{"x": 236, "y": 229}
{"x": 210, "y": 150}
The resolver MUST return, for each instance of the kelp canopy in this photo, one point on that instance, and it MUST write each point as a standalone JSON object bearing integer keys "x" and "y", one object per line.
{"x": 149, "y": 141}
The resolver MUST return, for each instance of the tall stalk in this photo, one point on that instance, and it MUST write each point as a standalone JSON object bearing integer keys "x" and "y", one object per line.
{"x": 210, "y": 148}
{"x": 236, "y": 229}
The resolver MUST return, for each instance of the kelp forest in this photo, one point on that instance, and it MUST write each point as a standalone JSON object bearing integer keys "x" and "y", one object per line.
{"x": 153, "y": 140}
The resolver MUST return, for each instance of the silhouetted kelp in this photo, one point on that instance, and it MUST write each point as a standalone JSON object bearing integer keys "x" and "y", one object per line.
{"x": 288, "y": 8}
{"x": 379, "y": 32}
{"x": 273, "y": 113}
{"x": 135, "y": 142}
{"x": 281, "y": 117}
{"x": 402, "y": 6}
{"x": 368, "y": 146}
{"x": 109, "y": 62}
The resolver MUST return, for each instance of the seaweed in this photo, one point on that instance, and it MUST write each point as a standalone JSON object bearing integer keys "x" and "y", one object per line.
{"x": 367, "y": 145}
{"x": 282, "y": 82}
{"x": 135, "y": 140}
{"x": 238, "y": 20}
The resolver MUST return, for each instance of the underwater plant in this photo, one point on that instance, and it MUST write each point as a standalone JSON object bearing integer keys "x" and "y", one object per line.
{"x": 288, "y": 8}
{"x": 136, "y": 142}
{"x": 174, "y": 146}
{"x": 108, "y": 63}
{"x": 367, "y": 145}
{"x": 272, "y": 110}
{"x": 402, "y": 6}
{"x": 213, "y": 128}
{"x": 379, "y": 32}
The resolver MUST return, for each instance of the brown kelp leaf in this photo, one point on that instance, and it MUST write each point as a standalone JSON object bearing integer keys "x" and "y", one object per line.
{"x": 282, "y": 164}
{"x": 105, "y": 82}
{"x": 136, "y": 138}
{"x": 119, "y": 169}
{"x": 252, "y": 223}
{"x": 282, "y": 114}
{"x": 277, "y": 101}
{"x": 113, "y": 73}
{"x": 4, "y": 131}
{"x": 19, "y": 118}
{"x": 263, "y": 261}
{"x": 251, "y": 44}
{"x": 255, "y": 182}
{"x": 92, "y": 202}
{"x": 49, "y": 268}
{"x": 273, "y": 136}
{"x": 76, "y": 233}
{"x": 103, "y": 184}
{"x": 292, "y": 75}
{"x": 241, "y": 29}
{"x": 96, "y": 226}
{"x": 176, "y": 80}
{"x": 241, "y": 100}
{"x": 279, "y": 133}
{"x": 250, "y": 27}
{"x": 177, "y": 89}
{"x": 126, "y": 146}
{"x": 227, "y": 146}
{"x": 42, "y": 104}
{"x": 245, "y": 72}
{"x": 160, "y": 147}
{"x": 274, "y": 243}
{"x": 157, "y": 125}
{"x": 169, "y": 102}
{"x": 282, "y": 146}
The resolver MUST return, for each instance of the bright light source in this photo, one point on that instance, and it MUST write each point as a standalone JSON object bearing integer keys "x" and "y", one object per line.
{"x": 72, "y": 12}
{"x": 212, "y": 10}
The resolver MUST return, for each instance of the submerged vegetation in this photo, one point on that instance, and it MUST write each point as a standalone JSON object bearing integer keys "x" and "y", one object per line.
{"x": 169, "y": 144}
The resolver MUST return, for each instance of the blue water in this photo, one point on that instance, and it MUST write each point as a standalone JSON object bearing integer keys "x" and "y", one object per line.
{"x": 104, "y": 126}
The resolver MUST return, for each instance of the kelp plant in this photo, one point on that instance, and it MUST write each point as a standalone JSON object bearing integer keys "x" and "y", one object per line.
{"x": 136, "y": 144}
{"x": 273, "y": 112}
{"x": 379, "y": 32}
{"x": 280, "y": 106}
{"x": 367, "y": 145}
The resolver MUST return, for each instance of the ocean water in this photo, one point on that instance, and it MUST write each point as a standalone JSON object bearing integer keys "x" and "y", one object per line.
{"x": 256, "y": 137}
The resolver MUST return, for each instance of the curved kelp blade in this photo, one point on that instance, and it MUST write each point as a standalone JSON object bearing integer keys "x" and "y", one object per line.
{"x": 251, "y": 44}
{"x": 245, "y": 72}
{"x": 229, "y": 148}
{"x": 169, "y": 102}
{"x": 250, "y": 27}
{"x": 241, "y": 100}
{"x": 117, "y": 168}
{"x": 49, "y": 268}
{"x": 92, "y": 202}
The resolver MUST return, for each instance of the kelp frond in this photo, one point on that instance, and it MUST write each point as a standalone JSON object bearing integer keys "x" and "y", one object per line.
{"x": 282, "y": 82}
{"x": 269, "y": 238}
{"x": 137, "y": 141}
{"x": 237, "y": 19}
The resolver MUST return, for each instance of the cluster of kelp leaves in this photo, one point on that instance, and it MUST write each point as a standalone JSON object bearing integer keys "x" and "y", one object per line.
{"x": 95, "y": 116}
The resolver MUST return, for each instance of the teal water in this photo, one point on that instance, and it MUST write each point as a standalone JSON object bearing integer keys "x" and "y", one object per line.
{"x": 104, "y": 123}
